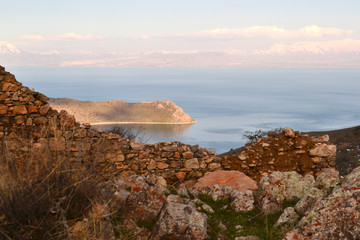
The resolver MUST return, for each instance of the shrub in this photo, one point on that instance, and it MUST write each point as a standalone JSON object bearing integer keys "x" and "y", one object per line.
{"x": 254, "y": 136}
{"x": 44, "y": 195}
{"x": 130, "y": 133}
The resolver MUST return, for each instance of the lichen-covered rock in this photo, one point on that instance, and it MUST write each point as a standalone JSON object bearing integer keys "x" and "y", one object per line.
{"x": 287, "y": 219}
{"x": 144, "y": 201}
{"x": 220, "y": 192}
{"x": 242, "y": 201}
{"x": 308, "y": 200}
{"x": 336, "y": 216}
{"x": 180, "y": 221}
{"x": 280, "y": 186}
{"x": 328, "y": 178}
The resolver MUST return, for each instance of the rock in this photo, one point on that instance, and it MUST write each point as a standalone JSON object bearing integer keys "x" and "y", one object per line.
{"x": 174, "y": 198}
{"x": 289, "y": 132}
{"x": 294, "y": 235}
{"x": 181, "y": 190}
{"x": 287, "y": 219}
{"x": 323, "y": 150}
{"x": 220, "y": 192}
{"x": 280, "y": 186}
{"x": 3, "y": 109}
{"x": 242, "y": 201}
{"x": 335, "y": 216}
{"x": 144, "y": 201}
{"x": 328, "y": 178}
{"x": 321, "y": 139}
{"x": 67, "y": 120}
{"x": 32, "y": 109}
{"x": 247, "y": 238}
{"x": 207, "y": 208}
{"x": 308, "y": 200}
{"x": 213, "y": 166}
{"x": 234, "y": 179}
{"x": 20, "y": 110}
{"x": 180, "y": 221}
{"x": 136, "y": 146}
{"x": 180, "y": 175}
{"x": 188, "y": 155}
{"x": 161, "y": 165}
{"x": 192, "y": 163}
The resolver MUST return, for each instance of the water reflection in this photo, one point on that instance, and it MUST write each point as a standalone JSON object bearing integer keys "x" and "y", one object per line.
{"x": 153, "y": 132}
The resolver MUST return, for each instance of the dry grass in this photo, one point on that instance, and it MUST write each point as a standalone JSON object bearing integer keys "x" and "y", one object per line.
{"x": 42, "y": 196}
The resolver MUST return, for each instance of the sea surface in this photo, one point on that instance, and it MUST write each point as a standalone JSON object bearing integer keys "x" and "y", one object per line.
{"x": 226, "y": 102}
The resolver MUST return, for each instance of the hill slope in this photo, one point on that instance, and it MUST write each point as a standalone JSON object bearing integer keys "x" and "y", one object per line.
{"x": 116, "y": 111}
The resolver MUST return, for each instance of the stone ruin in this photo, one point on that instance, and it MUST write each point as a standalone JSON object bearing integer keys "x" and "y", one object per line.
{"x": 29, "y": 125}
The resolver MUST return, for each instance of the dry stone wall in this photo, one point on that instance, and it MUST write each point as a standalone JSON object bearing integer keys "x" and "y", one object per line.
{"x": 28, "y": 126}
{"x": 284, "y": 151}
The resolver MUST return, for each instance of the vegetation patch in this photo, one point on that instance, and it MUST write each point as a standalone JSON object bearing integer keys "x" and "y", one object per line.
{"x": 225, "y": 221}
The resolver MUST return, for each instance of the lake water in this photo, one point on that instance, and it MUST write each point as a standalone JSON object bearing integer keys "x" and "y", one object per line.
{"x": 225, "y": 101}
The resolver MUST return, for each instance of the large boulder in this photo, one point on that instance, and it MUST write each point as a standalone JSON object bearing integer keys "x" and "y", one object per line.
{"x": 234, "y": 179}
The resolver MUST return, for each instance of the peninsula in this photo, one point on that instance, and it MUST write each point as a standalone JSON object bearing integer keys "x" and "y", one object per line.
{"x": 117, "y": 111}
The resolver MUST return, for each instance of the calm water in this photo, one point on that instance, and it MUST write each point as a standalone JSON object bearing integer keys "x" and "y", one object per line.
{"x": 225, "y": 101}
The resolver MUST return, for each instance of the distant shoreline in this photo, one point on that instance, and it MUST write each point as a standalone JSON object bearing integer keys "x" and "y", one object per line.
{"x": 149, "y": 123}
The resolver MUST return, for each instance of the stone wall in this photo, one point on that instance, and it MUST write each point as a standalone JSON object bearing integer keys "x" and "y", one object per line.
{"x": 283, "y": 151}
{"x": 29, "y": 126}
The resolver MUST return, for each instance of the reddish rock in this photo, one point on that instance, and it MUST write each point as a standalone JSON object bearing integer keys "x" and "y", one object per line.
{"x": 188, "y": 155}
{"x": 32, "y": 109}
{"x": 20, "y": 110}
{"x": 180, "y": 175}
{"x": 143, "y": 154}
{"x": 67, "y": 120}
{"x": 161, "y": 165}
{"x": 234, "y": 179}
{"x": 289, "y": 132}
{"x": 44, "y": 109}
{"x": 3, "y": 109}
{"x": 321, "y": 139}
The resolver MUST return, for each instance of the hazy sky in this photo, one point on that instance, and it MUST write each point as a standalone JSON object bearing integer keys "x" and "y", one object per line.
{"x": 277, "y": 33}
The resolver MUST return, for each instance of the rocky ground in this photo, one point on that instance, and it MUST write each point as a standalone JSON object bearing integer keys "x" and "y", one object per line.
{"x": 283, "y": 205}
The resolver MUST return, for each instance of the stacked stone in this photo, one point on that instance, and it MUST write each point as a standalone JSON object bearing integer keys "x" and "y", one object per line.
{"x": 285, "y": 151}
{"x": 28, "y": 125}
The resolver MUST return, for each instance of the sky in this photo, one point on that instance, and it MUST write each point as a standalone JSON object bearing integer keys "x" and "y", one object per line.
{"x": 172, "y": 33}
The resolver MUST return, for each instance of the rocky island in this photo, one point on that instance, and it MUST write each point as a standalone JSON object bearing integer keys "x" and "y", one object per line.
{"x": 117, "y": 111}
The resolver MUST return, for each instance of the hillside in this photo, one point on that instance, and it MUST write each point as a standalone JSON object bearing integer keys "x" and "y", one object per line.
{"x": 116, "y": 111}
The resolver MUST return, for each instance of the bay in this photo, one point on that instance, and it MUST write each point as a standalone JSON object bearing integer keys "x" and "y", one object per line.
{"x": 226, "y": 102}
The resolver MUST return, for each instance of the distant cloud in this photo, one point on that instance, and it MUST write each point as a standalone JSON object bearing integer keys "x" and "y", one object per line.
{"x": 8, "y": 48}
{"x": 77, "y": 36}
{"x": 269, "y": 32}
{"x": 65, "y": 36}
{"x": 32, "y": 37}
{"x": 315, "y": 47}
